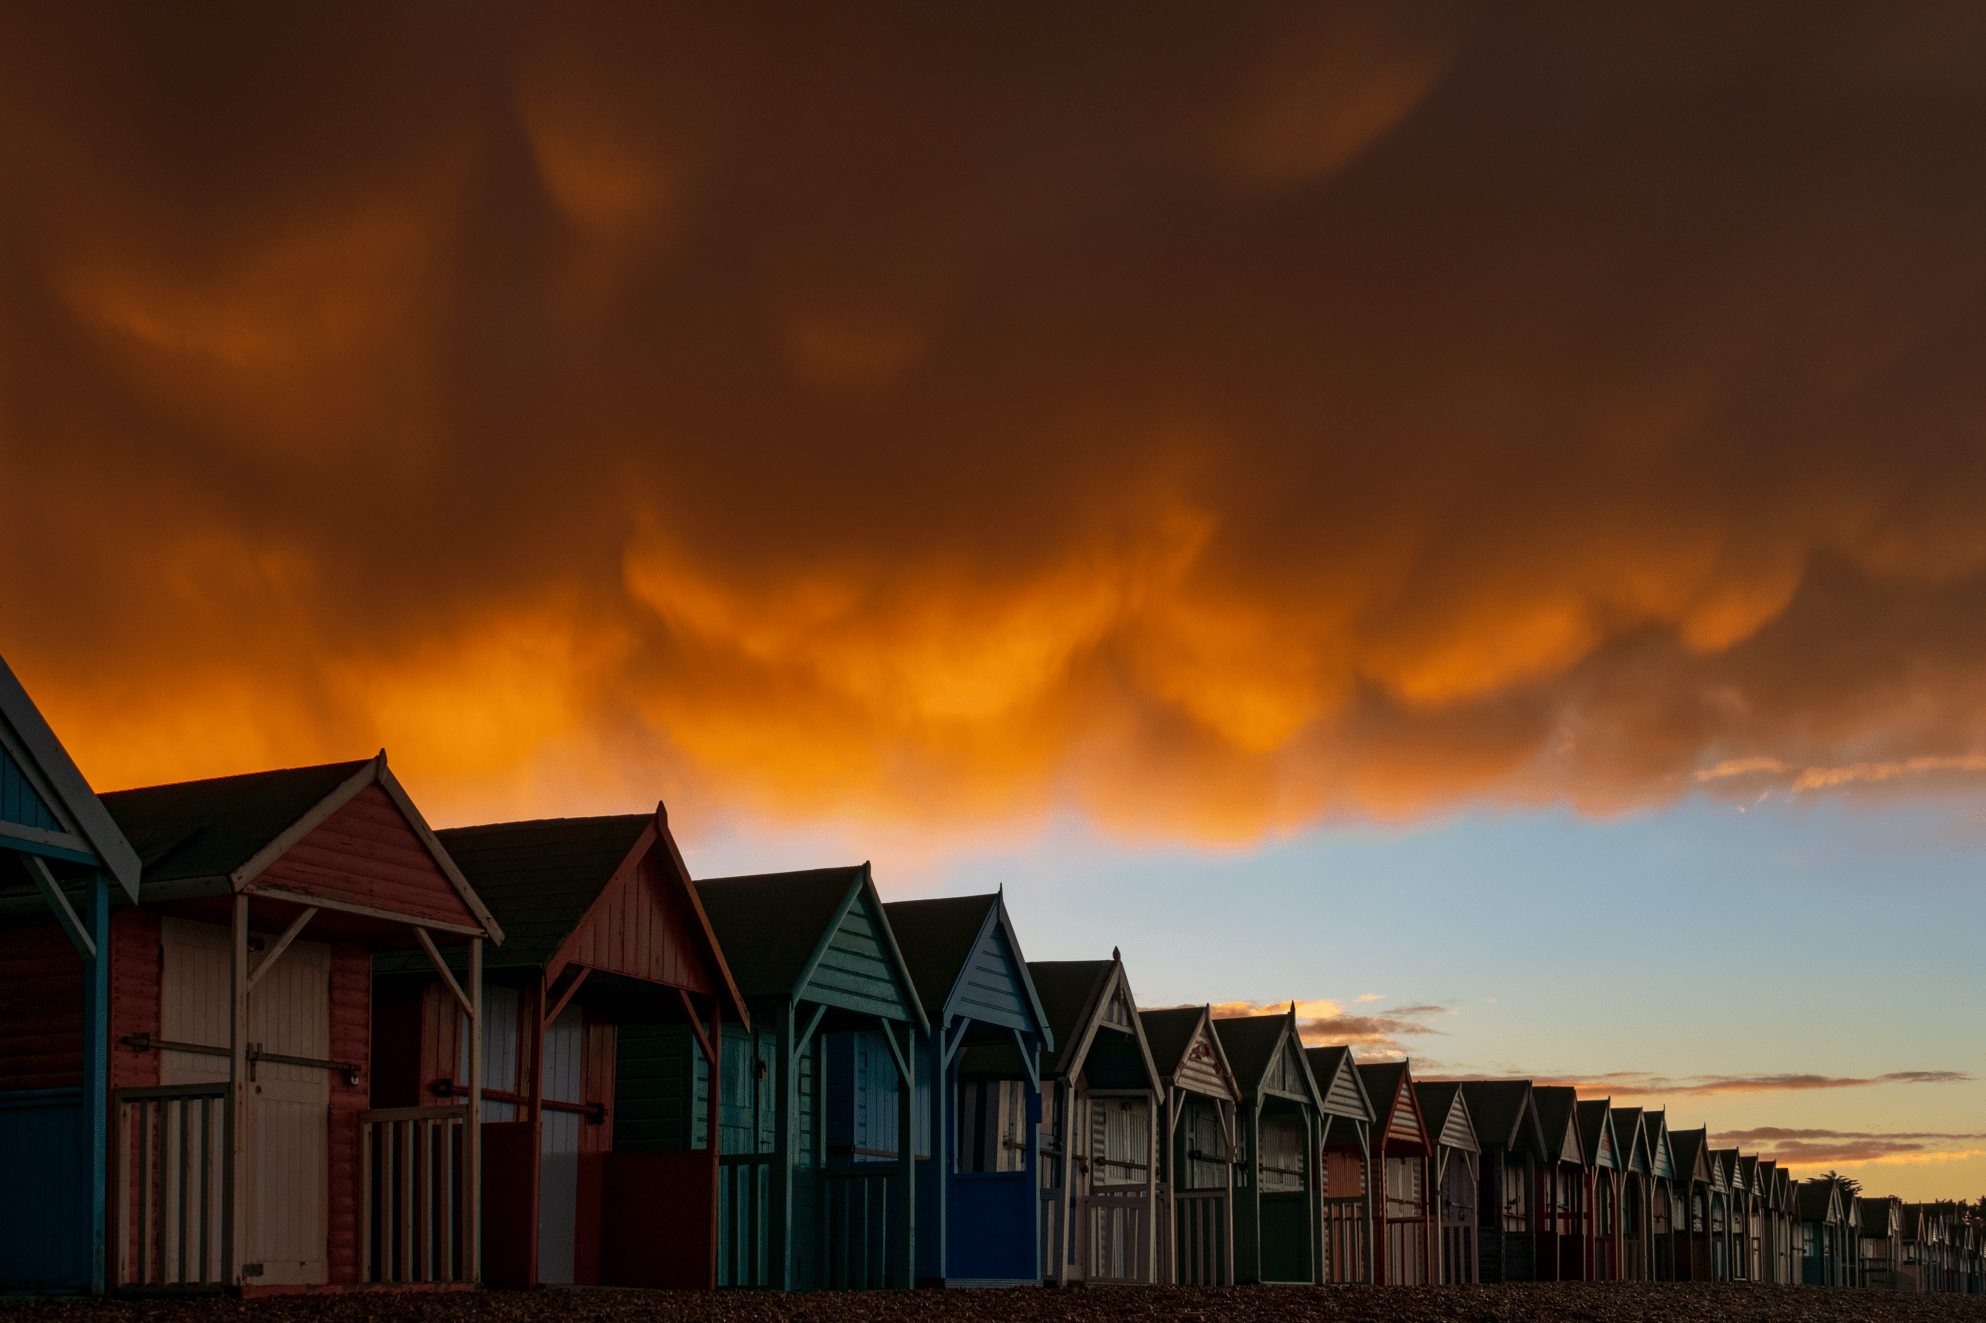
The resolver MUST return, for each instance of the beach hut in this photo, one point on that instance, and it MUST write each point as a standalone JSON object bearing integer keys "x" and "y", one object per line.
{"x": 1603, "y": 1193}
{"x": 1667, "y": 1214}
{"x": 601, "y": 1013}
{"x": 1197, "y": 1143}
{"x": 1563, "y": 1218}
{"x": 1749, "y": 1250}
{"x": 63, "y": 861}
{"x": 816, "y": 1177}
{"x": 1513, "y": 1149}
{"x": 1457, "y": 1156}
{"x": 1101, "y": 1103}
{"x": 1821, "y": 1215}
{"x": 978, "y": 1201}
{"x": 1344, "y": 1209}
{"x": 1780, "y": 1224}
{"x": 1696, "y": 1179}
{"x": 1881, "y": 1218}
{"x": 1632, "y": 1136}
{"x": 247, "y": 1153}
{"x": 1278, "y": 1123}
{"x": 1404, "y": 1220}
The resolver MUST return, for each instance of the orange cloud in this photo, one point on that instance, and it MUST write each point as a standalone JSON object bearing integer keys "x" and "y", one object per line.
{"x": 1213, "y": 427}
{"x": 1639, "y": 1084}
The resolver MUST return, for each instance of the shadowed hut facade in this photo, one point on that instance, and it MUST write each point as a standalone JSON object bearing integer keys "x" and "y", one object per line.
{"x": 978, "y": 1197}
{"x": 1821, "y": 1240}
{"x": 1197, "y": 1140}
{"x": 602, "y": 1011}
{"x": 1404, "y": 1218}
{"x": 1345, "y": 1205}
{"x": 1101, "y": 1103}
{"x": 247, "y": 1152}
{"x": 1457, "y": 1157}
{"x": 817, "y": 1166}
{"x": 1635, "y": 1193}
{"x": 1513, "y": 1150}
{"x": 1560, "y": 1214}
{"x": 1278, "y": 1125}
{"x": 63, "y": 862}
{"x": 1604, "y": 1162}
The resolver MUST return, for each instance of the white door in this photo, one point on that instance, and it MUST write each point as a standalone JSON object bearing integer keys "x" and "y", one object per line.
{"x": 1118, "y": 1204}
{"x": 558, "y": 1181}
{"x": 289, "y": 1107}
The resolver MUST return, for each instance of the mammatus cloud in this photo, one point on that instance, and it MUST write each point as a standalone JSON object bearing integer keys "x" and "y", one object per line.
{"x": 1642, "y": 1084}
{"x": 1212, "y": 422}
{"x": 1327, "y": 1023}
{"x": 1817, "y": 1148}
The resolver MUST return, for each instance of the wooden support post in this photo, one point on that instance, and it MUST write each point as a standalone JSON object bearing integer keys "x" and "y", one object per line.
{"x": 235, "y": 1212}
{"x": 536, "y": 1094}
{"x": 96, "y": 1071}
{"x": 472, "y": 1140}
{"x": 906, "y": 1157}
{"x": 713, "y": 1048}
{"x": 1033, "y": 1117}
{"x": 784, "y": 1250}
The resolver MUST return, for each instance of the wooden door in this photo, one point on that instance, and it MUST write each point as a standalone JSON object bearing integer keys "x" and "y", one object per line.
{"x": 286, "y": 1145}
{"x": 558, "y": 1153}
{"x": 1117, "y": 1197}
{"x": 1284, "y": 1198}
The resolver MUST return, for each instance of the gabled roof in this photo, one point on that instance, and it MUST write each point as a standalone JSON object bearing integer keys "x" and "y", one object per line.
{"x": 1076, "y": 996}
{"x": 938, "y": 938}
{"x": 1389, "y": 1084}
{"x": 1185, "y": 1048}
{"x": 1689, "y": 1150}
{"x": 1661, "y": 1153}
{"x": 1819, "y": 1201}
{"x": 70, "y": 817}
{"x": 1338, "y": 1083}
{"x": 1632, "y": 1135}
{"x": 1557, "y": 1114}
{"x": 774, "y": 927}
{"x": 1880, "y": 1216}
{"x": 1255, "y": 1044}
{"x": 1446, "y": 1115}
{"x": 221, "y": 834}
{"x": 545, "y": 880}
{"x": 1596, "y": 1134}
{"x": 1747, "y": 1173}
{"x": 1504, "y": 1114}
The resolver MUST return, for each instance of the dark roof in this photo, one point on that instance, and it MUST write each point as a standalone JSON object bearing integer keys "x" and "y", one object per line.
{"x": 1555, "y": 1103}
{"x": 1169, "y": 1032}
{"x": 1382, "y": 1086}
{"x": 1874, "y": 1214}
{"x": 1814, "y": 1198}
{"x": 1066, "y": 988}
{"x": 1249, "y": 1042}
{"x": 768, "y": 925}
{"x": 936, "y": 937}
{"x": 1592, "y": 1114}
{"x": 1498, "y": 1108}
{"x": 196, "y": 829}
{"x": 539, "y": 878}
{"x": 1684, "y": 1145}
{"x": 1437, "y": 1101}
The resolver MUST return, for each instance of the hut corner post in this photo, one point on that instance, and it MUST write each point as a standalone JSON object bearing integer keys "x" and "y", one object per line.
{"x": 472, "y": 1156}
{"x": 234, "y": 1235}
{"x": 96, "y": 1072}
{"x": 906, "y": 1145}
{"x": 712, "y": 1050}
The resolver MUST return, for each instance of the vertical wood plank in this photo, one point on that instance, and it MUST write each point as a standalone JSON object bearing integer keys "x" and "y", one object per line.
{"x": 236, "y": 1222}
{"x": 472, "y": 1160}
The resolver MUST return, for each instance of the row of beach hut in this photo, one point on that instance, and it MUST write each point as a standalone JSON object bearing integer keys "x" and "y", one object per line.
{"x": 272, "y": 1033}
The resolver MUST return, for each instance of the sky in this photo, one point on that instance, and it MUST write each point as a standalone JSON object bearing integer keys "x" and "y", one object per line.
{"x": 1473, "y": 508}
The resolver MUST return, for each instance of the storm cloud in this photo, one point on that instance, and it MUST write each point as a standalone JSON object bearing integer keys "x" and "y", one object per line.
{"x": 1213, "y": 421}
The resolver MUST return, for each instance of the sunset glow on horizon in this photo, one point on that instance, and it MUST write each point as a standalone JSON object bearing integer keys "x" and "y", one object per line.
{"x": 1134, "y": 453}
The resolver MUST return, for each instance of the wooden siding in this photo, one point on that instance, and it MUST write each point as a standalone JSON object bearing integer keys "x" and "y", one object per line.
{"x": 1285, "y": 1073}
{"x": 351, "y": 1040}
{"x": 1341, "y": 1095}
{"x": 661, "y": 1089}
{"x": 1455, "y": 1131}
{"x": 1406, "y": 1119}
{"x": 642, "y": 926}
{"x": 134, "y": 995}
{"x": 367, "y": 853}
{"x": 853, "y": 973}
{"x": 989, "y": 989}
{"x": 41, "y": 1010}
{"x": 18, "y": 800}
{"x": 1199, "y": 1066}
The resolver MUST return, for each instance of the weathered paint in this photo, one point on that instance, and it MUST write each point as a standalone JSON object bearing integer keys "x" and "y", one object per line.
{"x": 368, "y": 853}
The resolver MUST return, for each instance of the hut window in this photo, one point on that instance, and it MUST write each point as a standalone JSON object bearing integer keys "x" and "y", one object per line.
{"x": 992, "y": 1121}
{"x": 1206, "y": 1147}
{"x": 1696, "y": 1212}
